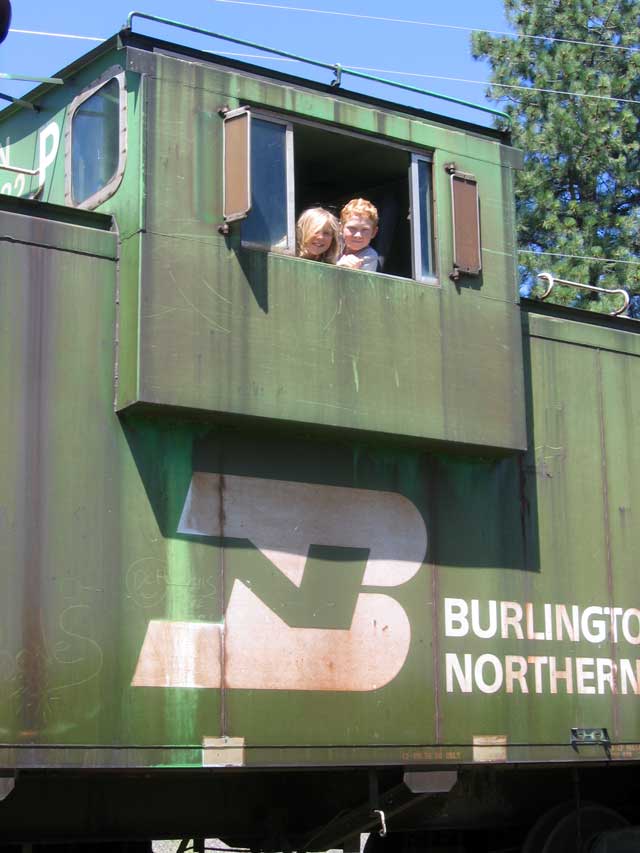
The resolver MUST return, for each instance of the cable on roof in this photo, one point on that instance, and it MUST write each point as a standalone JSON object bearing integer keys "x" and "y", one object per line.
{"x": 336, "y": 68}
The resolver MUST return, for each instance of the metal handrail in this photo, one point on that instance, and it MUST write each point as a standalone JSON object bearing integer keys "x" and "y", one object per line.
{"x": 20, "y": 102}
{"x": 18, "y": 169}
{"x": 552, "y": 281}
{"x": 338, "y": 70}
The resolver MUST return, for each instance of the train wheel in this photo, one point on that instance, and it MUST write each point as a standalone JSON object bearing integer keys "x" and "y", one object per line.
{"x": 557, "y": 830}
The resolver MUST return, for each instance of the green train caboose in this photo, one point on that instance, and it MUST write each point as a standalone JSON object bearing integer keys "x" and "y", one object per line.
{"x": 292, "y": 551}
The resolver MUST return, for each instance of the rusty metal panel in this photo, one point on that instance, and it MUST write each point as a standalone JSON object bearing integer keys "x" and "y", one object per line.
{"x": 237, "y": 164}
{"x": 467, "y": 252}
{"x": 56, "y": 371}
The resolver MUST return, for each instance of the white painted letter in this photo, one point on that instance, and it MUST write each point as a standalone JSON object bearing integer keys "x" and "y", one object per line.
{"x": 556, "y": 675}
{"x": 5, "y": 152}
{"x": 571, "y": 627}
{"x": 456, "y": 623}
{"x": 485, "y": 686}
{"x": 599, "y": 632}
{"x": 51, "y": 131}
{"x": 583, "y": 675}
{"x": 629, "y": 614}
{"x": 538, "y": 662}
{"x": 532, "y": 634}
{"x": 516, "y": 670}
{"x": 514, "y": 621}
{"x": 629, "y": 677}
{"x": 606, "y": 672}
{"x": 490, "y": 631}
{"x": 452, "y": 667}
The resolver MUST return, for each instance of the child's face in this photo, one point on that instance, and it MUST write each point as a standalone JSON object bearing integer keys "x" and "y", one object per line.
{"x": 358, "y": 231}
{"x": 320, "y": 240}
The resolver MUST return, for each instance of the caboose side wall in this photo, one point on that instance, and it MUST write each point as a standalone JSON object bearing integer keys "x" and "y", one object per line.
{"x": 386, "y": 353}
{"x": 129, "y": 543}
{"x": 114, "y": 560}
{"x": 194, "y": 593}
{"x": 568, "y": 661}
{"x": 57, "y": 304}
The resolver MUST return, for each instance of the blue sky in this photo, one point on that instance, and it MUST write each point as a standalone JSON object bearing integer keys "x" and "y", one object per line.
{"x": 434, "y": 47}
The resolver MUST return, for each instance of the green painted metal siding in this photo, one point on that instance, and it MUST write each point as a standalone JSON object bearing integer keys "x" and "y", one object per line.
{"x": 273, "y": 337}
{"x": 207, "y": 326}
{"x": 30, "y": 139}
{"x": 128, "y": 539}
{"x": 96, "y": 550}
{"x": 60, "y": 530}
{"x": 247, "y": 333}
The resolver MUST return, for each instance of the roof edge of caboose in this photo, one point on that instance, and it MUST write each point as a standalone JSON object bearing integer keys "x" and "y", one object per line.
{"x": 126, "y": 38}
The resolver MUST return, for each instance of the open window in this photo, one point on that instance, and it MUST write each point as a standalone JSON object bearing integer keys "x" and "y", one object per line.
{"x": 295, "y": 165}
{"x": 95, "y": 141}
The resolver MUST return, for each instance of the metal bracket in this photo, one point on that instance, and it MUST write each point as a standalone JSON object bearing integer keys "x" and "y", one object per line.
{"x": 383, "y": 831}
{"x": 19, "y": 102}
{"x": 54, "y": 81}
{"x": 551, "y": 281}
{"x": 591, "y": 737}
{"x": 337, "y": 70}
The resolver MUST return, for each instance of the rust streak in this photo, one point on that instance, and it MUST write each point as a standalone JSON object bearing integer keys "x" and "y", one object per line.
{"x": 33, "y": 658}
{"x": 607, "y": 528}
{"x": 436, "y": 651}
{"x": 223, "y": 633}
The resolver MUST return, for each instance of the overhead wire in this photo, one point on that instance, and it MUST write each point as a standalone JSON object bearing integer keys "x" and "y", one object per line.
{"x": 402, "y": 73}
{"x": 578, "y": 257}
{"x": 416, "y": 74}
{"x": 425, "y": 24}
{"x": 55, "y": 35}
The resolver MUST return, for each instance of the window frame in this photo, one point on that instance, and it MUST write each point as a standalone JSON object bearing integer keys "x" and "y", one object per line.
{"x": 415, "y": 156}
{"x": 117, "y": 73}
{"x": 416, "y": 221}
{"x": 290, "y": 189}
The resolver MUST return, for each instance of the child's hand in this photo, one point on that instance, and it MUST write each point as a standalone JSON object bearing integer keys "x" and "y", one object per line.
{"x": 350, "y": 262}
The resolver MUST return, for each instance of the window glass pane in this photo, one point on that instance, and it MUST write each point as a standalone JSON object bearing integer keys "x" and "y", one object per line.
{"x": 95, "y": 135}
{"x": 267, "y": 222}
{"x": 426, "y": 231}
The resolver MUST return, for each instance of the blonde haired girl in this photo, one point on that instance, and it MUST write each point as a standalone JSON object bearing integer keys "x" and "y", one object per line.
{"x": 318, "y": 235}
